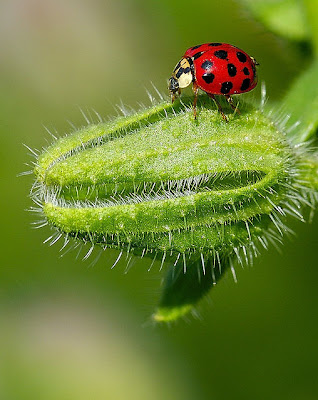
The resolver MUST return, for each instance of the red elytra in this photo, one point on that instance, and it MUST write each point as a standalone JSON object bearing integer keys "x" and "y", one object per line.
{"x": 217, "y": 69}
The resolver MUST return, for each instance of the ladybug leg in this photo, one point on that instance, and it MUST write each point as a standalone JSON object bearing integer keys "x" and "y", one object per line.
{"x": 230, "y": 101}
{"x": 175, "y": 95}
{"x": 219, "y": 107}
{"x": 195, "y": 91}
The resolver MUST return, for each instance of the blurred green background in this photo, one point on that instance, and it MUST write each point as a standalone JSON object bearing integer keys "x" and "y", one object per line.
{"x": 70, "y": 330}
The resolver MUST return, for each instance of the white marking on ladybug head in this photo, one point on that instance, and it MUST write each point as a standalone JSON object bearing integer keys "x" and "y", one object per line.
{"x": 185, "y": 80}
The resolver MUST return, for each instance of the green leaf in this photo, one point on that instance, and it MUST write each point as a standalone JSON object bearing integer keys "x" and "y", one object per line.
{"x": 301, "y": 103}
{"x": 311, "y": 10}
{"x": 186, "y": 282}
{"x": 283, "y": 17}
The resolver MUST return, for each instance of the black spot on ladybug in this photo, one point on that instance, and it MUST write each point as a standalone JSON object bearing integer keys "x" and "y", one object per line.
{"x": 241, "y": 57}
{"x": 186, "y": 70}
{"x": 180, "y": 72}
{"x": 207, "y": 64}
{"x": 246, "y": 71}
{"x": 221, "y": 54}
{"x": 208, "y": 77}
{"x": 215, "y": 44}
{"x": 195, "y": 47}
{"x": 197, "y": 55}
{"x": 231, "y": 69}
{"x": 245, "y": 84}
{"x": 226, "y": 87}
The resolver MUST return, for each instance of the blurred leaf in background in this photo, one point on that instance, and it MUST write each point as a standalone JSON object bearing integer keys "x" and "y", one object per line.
{"x": 66, "y": 348}
{"x": 284, "y": 17}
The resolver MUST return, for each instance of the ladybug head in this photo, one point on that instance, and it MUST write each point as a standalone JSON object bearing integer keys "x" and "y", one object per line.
{"x": 173, "y": 87}
{"x": 181, "y": 77}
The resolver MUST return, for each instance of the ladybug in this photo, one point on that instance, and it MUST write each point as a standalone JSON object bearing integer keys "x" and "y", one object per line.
{"x": 217, "y": 69}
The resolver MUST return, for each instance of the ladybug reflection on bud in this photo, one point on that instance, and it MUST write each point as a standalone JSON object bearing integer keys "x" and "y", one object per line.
{"x": 217, "y": 69}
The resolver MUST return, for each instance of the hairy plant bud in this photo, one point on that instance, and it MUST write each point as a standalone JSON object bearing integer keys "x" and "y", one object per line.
{"x": 197, "y": 194}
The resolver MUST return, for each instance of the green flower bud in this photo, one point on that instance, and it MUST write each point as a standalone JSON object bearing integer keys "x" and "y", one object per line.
{"x": 198, "y": 194}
